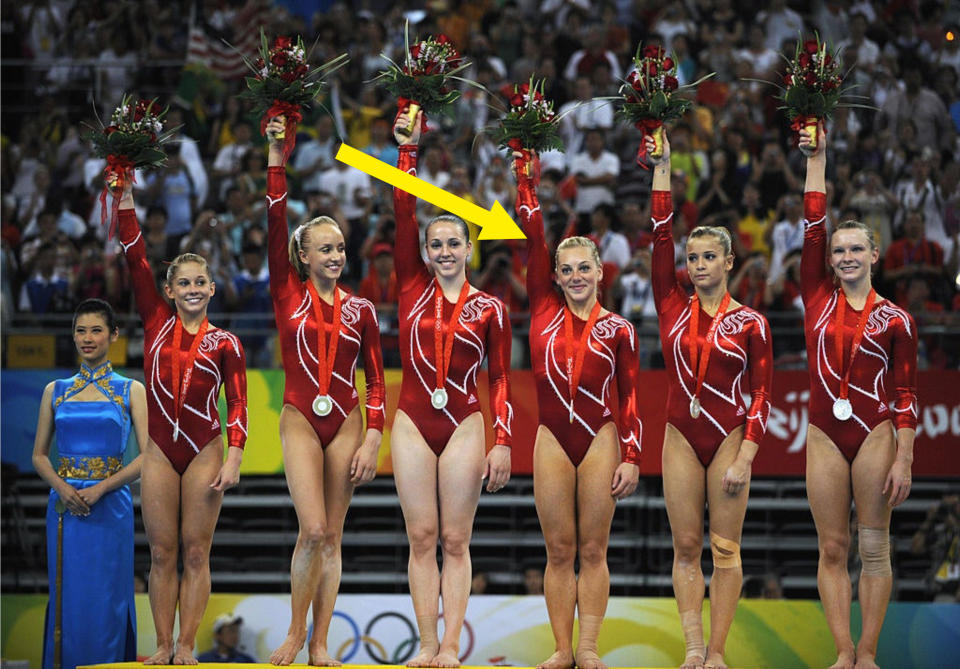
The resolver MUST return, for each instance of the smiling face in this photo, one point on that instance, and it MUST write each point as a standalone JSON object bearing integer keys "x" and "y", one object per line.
{"x": 852, "y": 255}
{"x": 323, "y": 251}
{"x": 190, "y": 288}
{"x": 447, "y": 248}
{"x": 578, "y": 274}
{"x": 92, "y": 337}
{"x": 707, "y": 263}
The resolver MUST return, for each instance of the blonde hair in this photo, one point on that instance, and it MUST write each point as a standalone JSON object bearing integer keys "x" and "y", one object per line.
{"x": 296, "y": 243}
{"x": 183, "y": 259}
{"x": 579, "y": 243}
{"x": 857, "y": 225}
{"x": 720, "y": 234}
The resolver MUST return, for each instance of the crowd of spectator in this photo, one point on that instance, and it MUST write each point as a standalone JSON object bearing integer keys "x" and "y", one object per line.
{"x": 894, "y": 162}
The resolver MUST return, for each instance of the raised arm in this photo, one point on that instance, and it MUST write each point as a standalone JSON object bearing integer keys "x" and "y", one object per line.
{"x": 813, "y": 262}
{"x": 407, "y": 259}
{"x": 152, "y": 307}
{"x": 539, "y": 280}
{"x": 663, "y": 271}
{"x": 283, "y": 277}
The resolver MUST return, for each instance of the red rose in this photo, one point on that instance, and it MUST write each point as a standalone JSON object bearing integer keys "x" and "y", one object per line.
{"x": 811, "y": 46}
{"x": 525, "y": 88}
{"x": 670, "y": 83}
{"x": 282, "y": 43}
{"x": 288, "y": 77}
{"x": 516, "y": 100}
{"x": 829, "y": 85}
{"x": 279, "y": 59}
{"x": 637, "y": 84}
{"x": 827, "y": 59}
{"x": 804, "y": 60}
{"x": 788, "y": 80}
{"x": 810, "y": 78}
{"x": 651, "y": 69}
{"x": 153, "y": 137}
{"x": 443, "y": 39}
{"x": 651, "y": 51}
{"x": 110, "y": 129}
{"x": 667, "y": 63}
{"x": 301, "y": 70}
{"x": 260, "y": 63}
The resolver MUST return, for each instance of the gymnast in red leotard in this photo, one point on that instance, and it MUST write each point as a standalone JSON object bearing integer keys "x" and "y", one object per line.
{"x": 579, "y": 353}
{"x": 712, "y": 434}
{"x": 855, "y": 443}
{"x": 186, "y": 361}
{"x": 447, "y": 327}
{"x": 323, "y": 331}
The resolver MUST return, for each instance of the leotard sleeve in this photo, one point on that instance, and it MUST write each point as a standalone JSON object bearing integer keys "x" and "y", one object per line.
{"x": 539, "y": 285}
{"x": 760, "y": 361}
{"x": 153, "y": 309}
{"x": 373, "y": 370}
{"x": 499, "y": 341}
{"x": 628, "y": 389}
{"x": 904, "y": 361}
{"x": 283, "y": 277}
{"x": 813, "y": 258}
{"x": 234, "y": 370}
{"x": 407, "y": 258}
{"x": 664, "y": 273}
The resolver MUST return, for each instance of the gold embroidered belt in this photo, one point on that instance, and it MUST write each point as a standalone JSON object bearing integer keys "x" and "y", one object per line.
{"x": 90, "y": 468}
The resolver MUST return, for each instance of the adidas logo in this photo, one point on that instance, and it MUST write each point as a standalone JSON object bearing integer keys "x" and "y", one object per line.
{"x": 354, "y": 393}
{"x": 472, "y": 399}
{"x": 740, "y": 411}
{"x": 606, "y": 412}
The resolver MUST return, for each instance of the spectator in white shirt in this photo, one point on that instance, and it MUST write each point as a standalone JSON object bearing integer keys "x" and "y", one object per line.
{"x": 583, "y": 61}
{"x": 312, "y": 158}
{"x": 787, "y": 235}
{"x": 351, "y": 188}
{"x": 583, "y": 114}
{"x": 613, "y": 246}
{"x": 229, "y": 160}
{"x": 779, "y": 23}
{"x": 189, "y": 156}
{"x": 595, "y": 171}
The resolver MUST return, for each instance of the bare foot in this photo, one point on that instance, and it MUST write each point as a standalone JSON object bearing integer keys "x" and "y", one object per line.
{"x": 866, "y": 662}
{"x": 287, "y": 652}
{"x": 183, "y": 655}
{"x": 319, "y": 657}
{"x": 423, "y": 658}
{"x": 163, "y": 655}
{"x": 562, "y": 659}
{"x": 714, "y": 661}
{"x": 588, "y": 659}
{"x": 445, "y": 658}
{"x": 692, "y": 662}
{"x": 844, "y": 661}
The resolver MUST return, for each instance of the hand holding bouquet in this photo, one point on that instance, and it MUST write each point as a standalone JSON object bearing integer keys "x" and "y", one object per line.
{"x": 530, "y": 126}
{"x": 134, "y": 139}
{"x": 649, "y": 96}
{"x": 284, "y": 84}
{"x": 425, "y": 80}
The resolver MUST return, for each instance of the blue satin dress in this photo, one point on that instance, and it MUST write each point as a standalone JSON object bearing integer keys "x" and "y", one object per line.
{"x": 99, "y": 619}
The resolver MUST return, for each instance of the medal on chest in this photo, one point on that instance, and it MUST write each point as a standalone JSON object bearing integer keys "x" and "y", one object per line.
{"x": 326, "y": 352}
{"x": 443, "y": 336}
{"x": 842, "y": 407}
{"x": 700, "y": 355}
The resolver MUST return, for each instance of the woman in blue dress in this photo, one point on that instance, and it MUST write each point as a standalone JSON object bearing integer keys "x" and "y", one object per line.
{"x": 91, "y": 614}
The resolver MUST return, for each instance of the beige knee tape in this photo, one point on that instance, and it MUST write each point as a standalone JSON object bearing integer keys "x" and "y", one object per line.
{"x": 726, "y": 553}
{"x": 875, "y": 551}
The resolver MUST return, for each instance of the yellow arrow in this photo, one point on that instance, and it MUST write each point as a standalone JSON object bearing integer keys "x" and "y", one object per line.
{"x": 494, "y": 223}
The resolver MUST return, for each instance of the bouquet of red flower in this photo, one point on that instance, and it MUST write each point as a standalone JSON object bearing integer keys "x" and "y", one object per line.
{"x": 134, "y": 138}
{"x": 530, "y": 122}
{"x": 283, "y": 84}
{"x": 813, "y": 87}
{"x": 649, "y": 95}
{"x": 424, "y": 80}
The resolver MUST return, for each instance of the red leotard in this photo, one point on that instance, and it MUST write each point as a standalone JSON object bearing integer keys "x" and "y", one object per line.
{"x": 483, "y": 326}
{"x": 611, "y": 352}
{"x": 889, "y": 341}
{"x": 297, "y": 325}
{"x": 743, "y": 346}
{"x": 220, "y": 361}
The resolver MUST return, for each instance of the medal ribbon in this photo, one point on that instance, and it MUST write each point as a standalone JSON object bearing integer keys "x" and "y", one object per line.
{"x": 443, "y": 332}
{"x": 838, "y": 320}
{"x": 575, "y": 360}
{"x": 325, "y": 356}
{"x": 700, "y": 356}
{"x": 180, "y": 391}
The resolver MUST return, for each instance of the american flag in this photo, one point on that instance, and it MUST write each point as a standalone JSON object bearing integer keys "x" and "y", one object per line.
{"x": 206, "y": 46}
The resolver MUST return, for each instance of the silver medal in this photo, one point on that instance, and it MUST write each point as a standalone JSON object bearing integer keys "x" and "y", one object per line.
{"x": 842, "y": 409}
{"x": 695, "y": 408}
{"x": 438, "y": 398}
{"x": 322, "y": 405}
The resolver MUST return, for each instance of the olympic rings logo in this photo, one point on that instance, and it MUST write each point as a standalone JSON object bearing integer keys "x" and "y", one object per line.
{"x": 375, "y": 649}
